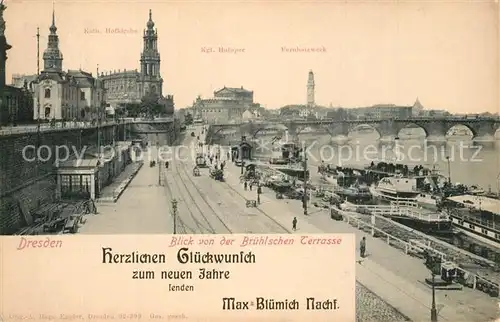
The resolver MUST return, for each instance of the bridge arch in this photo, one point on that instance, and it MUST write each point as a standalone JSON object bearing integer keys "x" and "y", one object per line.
{"x": 366, "y": 128}
{"x": 263, "y": 128}
{"x": 461, "y": 129}
{"x": 412, "y": 131}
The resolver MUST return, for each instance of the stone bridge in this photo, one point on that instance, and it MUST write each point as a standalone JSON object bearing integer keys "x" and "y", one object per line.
{"x": 434, "y": 128}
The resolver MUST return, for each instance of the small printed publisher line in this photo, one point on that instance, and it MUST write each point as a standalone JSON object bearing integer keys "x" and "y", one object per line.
{"x": 263, "y": 304}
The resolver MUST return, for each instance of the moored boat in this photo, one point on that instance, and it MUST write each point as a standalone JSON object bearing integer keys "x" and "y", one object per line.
{"x": 290, "y": 161}
{"x": 402, "y": 190}
{"x": 476, "y": 216}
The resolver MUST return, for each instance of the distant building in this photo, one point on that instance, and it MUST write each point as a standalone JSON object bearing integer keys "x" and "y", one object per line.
{"x": 310, "y": 89}
{"x": 62, "y": 95}
{"x": 16, "y": 103}
{"x": 227, "y": 105}
{"x": 382, "y": 111}
{"x": 418, "y": 108}
{"x": 19, "y": 81}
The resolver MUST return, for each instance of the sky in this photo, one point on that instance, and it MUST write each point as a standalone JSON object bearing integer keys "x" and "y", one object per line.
{"x": 444, "y": 53}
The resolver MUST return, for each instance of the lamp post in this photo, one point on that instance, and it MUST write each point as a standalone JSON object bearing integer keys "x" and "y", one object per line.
{"x": 306, "y": 197}
{"x": 449, "y": 168}
{"x": 158, "y": 158}
{"x": 174, "y": 214}
{"x": 433, "y": 263}
{"x": 498, "y": 184}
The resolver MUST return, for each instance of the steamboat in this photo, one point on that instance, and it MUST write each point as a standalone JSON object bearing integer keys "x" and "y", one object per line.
{"x": 402, "y": 190}
{"x": 287, "y": 159}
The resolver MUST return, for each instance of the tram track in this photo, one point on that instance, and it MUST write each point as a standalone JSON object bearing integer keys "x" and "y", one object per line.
{"x": 175, "y": 182}
{"x": 179, "y": 221}
{"x": 274, "y": 221}
{"x": 214, "y": 212}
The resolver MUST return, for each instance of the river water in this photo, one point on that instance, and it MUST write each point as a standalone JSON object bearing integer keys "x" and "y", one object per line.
{"x": 465, "y": 161}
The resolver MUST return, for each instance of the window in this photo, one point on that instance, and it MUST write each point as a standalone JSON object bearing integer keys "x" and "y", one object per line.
{"x": 65, "y": 183}
{"x": 82, "y": 96}
{"x": 76, "y": 182}
{"x": 47, "y": 112}
{"x": 47, "y": 93}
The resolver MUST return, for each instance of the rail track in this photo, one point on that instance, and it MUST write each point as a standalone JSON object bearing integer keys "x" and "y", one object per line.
{"x": 178, "y": 181}
{"x": 258, "y": 209}
{"x": 175, "y": 183}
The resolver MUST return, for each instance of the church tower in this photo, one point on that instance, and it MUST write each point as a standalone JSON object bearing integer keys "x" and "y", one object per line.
{"x": 52, "y": 56}
{"x": 310, "y": 89}
{"x": 4, "y": 46}
{"x": 150, "y": 61}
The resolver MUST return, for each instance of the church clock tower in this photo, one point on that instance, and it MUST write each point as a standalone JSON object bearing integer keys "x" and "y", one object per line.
{"x": 151, "y": 80}
{"x": 52, "y": 56}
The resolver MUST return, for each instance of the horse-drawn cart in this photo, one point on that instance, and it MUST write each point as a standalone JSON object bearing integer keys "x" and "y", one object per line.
{"x": 217, "y": 174}
{"x": 281, "y": 188}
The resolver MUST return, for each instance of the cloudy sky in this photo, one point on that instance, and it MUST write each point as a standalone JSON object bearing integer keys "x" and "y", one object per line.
{"x": 446, "y": 54}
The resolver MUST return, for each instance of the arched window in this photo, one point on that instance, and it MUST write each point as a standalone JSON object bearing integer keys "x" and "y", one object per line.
{"x": 47, "y": 93}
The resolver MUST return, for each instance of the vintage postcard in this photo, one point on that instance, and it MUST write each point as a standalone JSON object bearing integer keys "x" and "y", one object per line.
{"x": 249, "y": 160}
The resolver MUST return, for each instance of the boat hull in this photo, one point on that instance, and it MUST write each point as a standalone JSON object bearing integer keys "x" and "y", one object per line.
{"x": 436, "y": 228}
{"x": 297, "y": 173}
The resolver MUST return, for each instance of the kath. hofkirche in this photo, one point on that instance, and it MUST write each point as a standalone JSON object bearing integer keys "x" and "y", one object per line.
{"x": 76, "y": 94}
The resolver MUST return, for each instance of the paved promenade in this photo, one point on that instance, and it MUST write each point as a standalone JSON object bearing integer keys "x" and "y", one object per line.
{"x": 141, "y": 209}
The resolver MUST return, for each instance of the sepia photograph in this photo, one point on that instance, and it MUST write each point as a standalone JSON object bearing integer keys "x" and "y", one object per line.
{"x": 376, "y": 119}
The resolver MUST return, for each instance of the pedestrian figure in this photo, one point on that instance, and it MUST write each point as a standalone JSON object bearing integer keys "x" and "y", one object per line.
{"x": 222, "y": 166}
{"x": 259, "y": 191}
{"x": 294, "y": 223}
{"x": 362, "y": 247}
{"x": 245, "y": 185}
{"x": 251, "y": 185}
{"x": 166, "y": 164}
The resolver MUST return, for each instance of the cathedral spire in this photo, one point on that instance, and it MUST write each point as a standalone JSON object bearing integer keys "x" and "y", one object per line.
{"x": 150, "y": 23}
{"x": 52, "y": 56}
{"x": 53, "y": 27}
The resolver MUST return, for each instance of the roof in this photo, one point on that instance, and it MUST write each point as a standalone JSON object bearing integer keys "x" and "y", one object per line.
{"x": 84, "y": 79}
{"x": 234, "y": 90}
{"x": 241, "y": 144}
{"x": 55, "y": 76}
{"x": 80, "y": 163}
{"x": 478, "y": 202}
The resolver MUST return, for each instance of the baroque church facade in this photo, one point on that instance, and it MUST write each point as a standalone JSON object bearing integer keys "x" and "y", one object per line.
{"x": 65, "y": 95}
{"x": 129, "y": 86}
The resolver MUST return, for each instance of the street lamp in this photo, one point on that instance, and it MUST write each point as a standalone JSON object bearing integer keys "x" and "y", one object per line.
{"x": 449, "y": 169}
{"x": 174, "y": 214}
{"x": 498, "y": 184}
{"x": 433, "y": 263}
{"x": 306, "y": 197}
